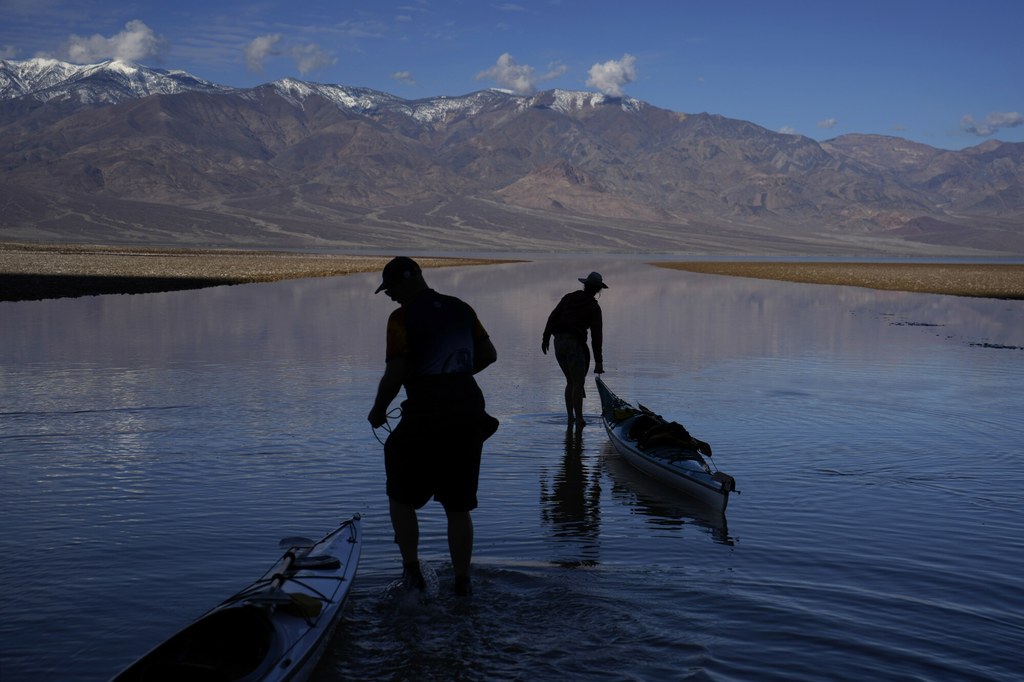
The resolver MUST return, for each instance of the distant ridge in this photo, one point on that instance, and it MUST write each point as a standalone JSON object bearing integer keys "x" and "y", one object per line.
{"x": 122, "y": 153}
{"x": 104, "y": 83}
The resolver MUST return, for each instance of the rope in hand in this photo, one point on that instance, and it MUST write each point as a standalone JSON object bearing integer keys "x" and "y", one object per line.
{"x": 395, "y": 413}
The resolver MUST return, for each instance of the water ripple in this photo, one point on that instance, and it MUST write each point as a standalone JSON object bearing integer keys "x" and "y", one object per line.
{"x": 163, "y": 452}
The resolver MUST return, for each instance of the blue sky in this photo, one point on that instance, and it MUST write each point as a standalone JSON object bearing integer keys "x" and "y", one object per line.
{"x": 949, "y": 74}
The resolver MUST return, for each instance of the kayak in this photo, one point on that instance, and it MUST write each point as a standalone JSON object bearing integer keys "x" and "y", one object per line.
{"x": 664, "y": 450}
{"x": 277, "y": 628}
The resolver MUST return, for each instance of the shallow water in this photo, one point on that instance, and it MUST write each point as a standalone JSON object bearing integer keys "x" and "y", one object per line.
{"x": 153, "y": 449}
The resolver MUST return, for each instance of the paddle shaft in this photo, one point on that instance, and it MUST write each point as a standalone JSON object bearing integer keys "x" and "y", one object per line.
{"x": 286, "y": 563}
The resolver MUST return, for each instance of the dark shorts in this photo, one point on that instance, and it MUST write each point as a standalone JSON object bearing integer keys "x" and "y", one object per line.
{"x": 572, "y": 354}
{"x": 439, "y": 458}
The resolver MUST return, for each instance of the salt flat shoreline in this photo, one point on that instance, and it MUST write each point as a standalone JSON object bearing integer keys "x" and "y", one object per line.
{"x": 37, "y": 271}
{"x": 982, "y": 280}
{"x": 42, "y": 271}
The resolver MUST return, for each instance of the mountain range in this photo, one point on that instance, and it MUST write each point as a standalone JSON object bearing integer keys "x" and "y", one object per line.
{"x": 119, "y": 153}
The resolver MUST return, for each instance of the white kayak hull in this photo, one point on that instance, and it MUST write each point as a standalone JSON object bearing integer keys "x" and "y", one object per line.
{"x": 680, "y": 466}
{"x": 274, "y": 630}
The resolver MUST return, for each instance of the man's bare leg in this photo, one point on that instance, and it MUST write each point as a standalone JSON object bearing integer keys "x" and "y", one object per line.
{"x": 407, "y": 537}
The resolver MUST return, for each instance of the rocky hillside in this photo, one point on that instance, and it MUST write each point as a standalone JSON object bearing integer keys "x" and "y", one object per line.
{"x": 119, "y": 153}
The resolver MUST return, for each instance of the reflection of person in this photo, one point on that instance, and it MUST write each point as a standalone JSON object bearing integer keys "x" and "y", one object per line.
{"x": 435, "y": 344}
{"x": 577, "y": 312}
{"x": 570, "y": 499}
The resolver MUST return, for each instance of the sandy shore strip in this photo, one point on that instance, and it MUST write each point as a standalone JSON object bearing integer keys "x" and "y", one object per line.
{"x": 37, "y": 271}
{"x": 985, "y": 280}
{"x": 40, "y": 271}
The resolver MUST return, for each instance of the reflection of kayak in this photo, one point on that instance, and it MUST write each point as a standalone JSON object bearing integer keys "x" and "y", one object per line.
{"x": 664, "y": 450}
{"x": 663, "y": 506}
{"x": 275, "y": 629}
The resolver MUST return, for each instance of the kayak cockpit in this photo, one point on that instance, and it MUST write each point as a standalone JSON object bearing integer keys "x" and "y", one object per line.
{"x": 231, "y": 644}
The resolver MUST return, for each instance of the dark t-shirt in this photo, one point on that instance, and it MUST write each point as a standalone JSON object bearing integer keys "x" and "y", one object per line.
{"x": 577, "y": 312}
{"x": 438, "y": 334}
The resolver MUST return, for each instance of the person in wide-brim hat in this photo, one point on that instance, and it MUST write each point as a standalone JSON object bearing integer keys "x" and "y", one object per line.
{"x": 568, "y": 323}
{"x": 594, "y": 279}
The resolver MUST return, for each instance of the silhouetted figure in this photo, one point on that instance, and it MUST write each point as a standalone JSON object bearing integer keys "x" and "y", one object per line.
{"x": 568, "y": 323}
{"x": 435, "y": 344}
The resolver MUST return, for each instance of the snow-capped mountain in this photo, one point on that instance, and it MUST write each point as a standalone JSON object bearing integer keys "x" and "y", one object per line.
{"x": 104, "y": 83}
{"x": 118, "y": 151}
{"x": 116, "y": 81}
{"x": 369, "y": 102}
{"x": 22, "y": 78}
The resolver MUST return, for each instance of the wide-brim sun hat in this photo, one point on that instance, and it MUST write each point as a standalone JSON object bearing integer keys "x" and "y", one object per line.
{"x": 594, "y": 279}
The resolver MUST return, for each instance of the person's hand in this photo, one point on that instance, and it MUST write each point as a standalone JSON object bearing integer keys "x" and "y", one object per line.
{"x": 544, "y": 346}
{"x": 378, "y": 417}
{"x": 598, "y": 368}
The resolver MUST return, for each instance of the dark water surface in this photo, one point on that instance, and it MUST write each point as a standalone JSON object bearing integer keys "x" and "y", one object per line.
{"x": 154, "y": 448}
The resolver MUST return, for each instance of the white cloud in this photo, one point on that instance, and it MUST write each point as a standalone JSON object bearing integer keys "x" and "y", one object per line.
{"x": 555, "y": 69}
{"x": 261, "y": 48}
{"x": 516, "y": 77}
{"x": 308, "y": 58}
{"x": 788, "y": 130}
{"x": 613, "y": 75}
{"x": 404, "y": 77}
{"x": 519, "y": 78}
{"x": 311, "y": 57}
{"x": 135, "y": 43}
{"x": 828, "y": 123}
{"x": 8, "y": 52}
{"x": 992, "y": 123}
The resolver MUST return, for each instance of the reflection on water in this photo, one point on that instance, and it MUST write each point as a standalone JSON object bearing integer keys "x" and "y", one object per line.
{"x": 160, "y": 444}
{"x": 570, "y": 499}
{"x": 663, "y": 507}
